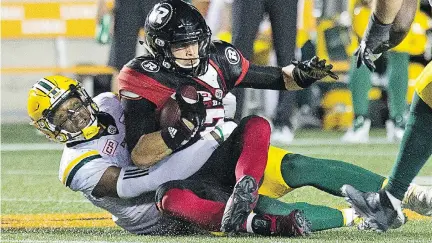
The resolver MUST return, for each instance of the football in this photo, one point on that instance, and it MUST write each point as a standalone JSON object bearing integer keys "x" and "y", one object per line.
{"x": 170, "y": 112}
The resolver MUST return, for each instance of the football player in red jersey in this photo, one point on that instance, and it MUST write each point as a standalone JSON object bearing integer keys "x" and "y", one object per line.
{"x": 181, "y": 53}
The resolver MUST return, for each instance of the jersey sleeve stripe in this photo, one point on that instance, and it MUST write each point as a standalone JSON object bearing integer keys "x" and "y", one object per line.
{"x": 74, "y": 162}
{"x": 136, "y": 175}
{"x": 245, "y": 68}
{"x": 135, "y": 172}
{"x": 78, "y": 166}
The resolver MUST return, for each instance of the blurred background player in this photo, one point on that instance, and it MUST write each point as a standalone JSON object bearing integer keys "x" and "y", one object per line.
{"x": 388, "y": 26}
{"x": 125, "y": 19}
{"x": 360, "y": 83}
{"x": 283, "y": 19}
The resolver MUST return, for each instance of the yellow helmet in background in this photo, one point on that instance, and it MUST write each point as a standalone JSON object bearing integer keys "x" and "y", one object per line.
{"x": 47, "y": 95}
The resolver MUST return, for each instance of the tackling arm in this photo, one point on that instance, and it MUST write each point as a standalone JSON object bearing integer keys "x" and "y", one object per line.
{"x": 107, "y": 185}
{"x": 144, "y": 141}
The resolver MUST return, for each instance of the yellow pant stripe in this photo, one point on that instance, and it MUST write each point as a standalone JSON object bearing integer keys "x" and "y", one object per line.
{"x": 423, "y": 85}
{"x": 273, "y": 183}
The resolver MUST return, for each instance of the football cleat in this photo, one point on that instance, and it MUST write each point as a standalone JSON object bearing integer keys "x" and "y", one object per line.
{"x": 394, "y": 133}
{"x": 293, "y": 225}
{"x": 418, "y": 199}
{"x": 241, "y": 202}
{"x": 359, "y": 132}
{"x": 375, "y": 208}
{"x": 282, "y": 135}
{"x": 351, "y": 218}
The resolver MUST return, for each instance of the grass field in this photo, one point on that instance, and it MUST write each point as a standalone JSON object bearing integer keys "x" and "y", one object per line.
{"x": 36, "y": 207}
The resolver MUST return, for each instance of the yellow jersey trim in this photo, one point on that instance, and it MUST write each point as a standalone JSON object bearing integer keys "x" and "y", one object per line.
{"x": 76, "y": 161}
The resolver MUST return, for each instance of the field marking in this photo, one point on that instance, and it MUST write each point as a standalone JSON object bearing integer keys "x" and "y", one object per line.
{"x": 13, "y": 147}
{"x": 43, "y": 200}
{"x": 335, "y": 141}
{"x": 30, "y": 172}
{"x": 57, "y": 220}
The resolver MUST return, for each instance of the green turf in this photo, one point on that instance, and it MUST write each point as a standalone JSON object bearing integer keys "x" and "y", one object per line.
{"x": 30, "y": 184}
{"x": 20, "y": 133}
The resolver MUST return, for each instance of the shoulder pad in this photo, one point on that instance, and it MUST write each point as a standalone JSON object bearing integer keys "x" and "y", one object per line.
{"x": 227, "y": 50}
{"x": 145, "y": 63}
{"x": 107, "y": 101}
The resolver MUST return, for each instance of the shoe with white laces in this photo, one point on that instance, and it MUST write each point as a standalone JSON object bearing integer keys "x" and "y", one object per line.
{"x": 375, "y": 208}
{"x": 359, "y": 132}
{"x": 294, "y": 224}
{"x": 395, "y": 130}
{"x": 282, "y": 135}
{"x": 418, "y": 199}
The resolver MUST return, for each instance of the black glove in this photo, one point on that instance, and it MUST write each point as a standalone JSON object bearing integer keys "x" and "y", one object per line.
{"x": 194, "y": 113}
{"x": 308, "y": 72}
{"x": 375, "y": 41}
{"x": 188, "y": 126}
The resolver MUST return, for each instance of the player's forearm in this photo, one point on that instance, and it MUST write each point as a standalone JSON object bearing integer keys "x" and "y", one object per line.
{"x": 149, "y": 150}
{"x": 386, "y": 10}
{"x": 402, "y": 22}
{"x": 289, "y": 81}
{"x": 266, "y": 77}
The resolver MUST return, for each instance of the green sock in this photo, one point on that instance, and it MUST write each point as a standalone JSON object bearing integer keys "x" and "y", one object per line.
{"x": 359, "y": 83}
{"x": 415, "y": 149}
{"x": 321, "y": 217}
{"x": 398, "y": 83}
{"x": 327, "y": 175}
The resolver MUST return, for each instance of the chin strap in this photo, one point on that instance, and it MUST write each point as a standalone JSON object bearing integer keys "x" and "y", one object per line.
{"x": 90, "y": 131}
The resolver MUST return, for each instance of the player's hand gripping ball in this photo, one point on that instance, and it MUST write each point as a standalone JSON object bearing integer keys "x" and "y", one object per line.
{"x": 187, "y": 108}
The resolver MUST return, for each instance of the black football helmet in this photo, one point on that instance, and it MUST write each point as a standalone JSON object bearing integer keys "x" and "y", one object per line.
{"x": 175, "y": 22}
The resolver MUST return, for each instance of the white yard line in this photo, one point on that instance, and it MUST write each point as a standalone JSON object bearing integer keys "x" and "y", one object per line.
{"x": 6, "y": 199}
{"x": 334, "y": 141}
{"x": 13, "y": 147}
{"x": 29, "y": 172}
{"x": 330, "y": 152}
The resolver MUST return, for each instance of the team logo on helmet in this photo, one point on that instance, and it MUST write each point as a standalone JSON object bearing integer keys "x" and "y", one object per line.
{"x": 232, "y": 55}
{"x": 160, "y": 15}
{"x": 150, "y": 66}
